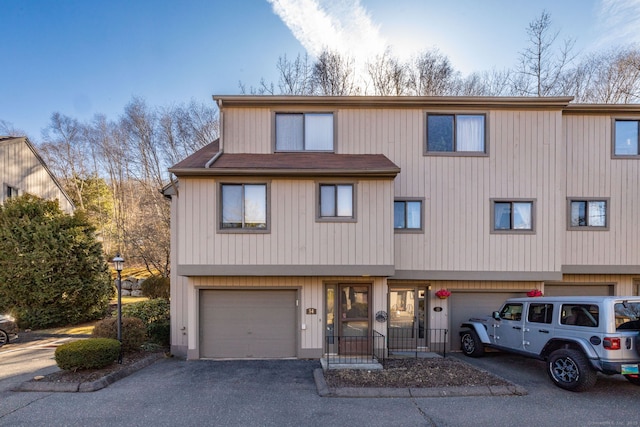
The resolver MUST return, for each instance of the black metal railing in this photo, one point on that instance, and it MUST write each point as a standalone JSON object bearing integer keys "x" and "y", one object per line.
{"x": 412, "y": 341}
{"x": 353, "y": 350}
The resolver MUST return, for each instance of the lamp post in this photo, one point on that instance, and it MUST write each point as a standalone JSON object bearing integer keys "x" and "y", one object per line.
{"x": 118, "y": 263}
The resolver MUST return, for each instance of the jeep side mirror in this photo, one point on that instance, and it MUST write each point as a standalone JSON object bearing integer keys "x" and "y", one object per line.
{"x": 496, "y": 315}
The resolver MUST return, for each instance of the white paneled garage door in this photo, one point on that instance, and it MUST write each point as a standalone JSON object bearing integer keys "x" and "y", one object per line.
{"x": 582, "y": 289}
{"x": 248, "y": 323}
{"x": 463, "y": 305}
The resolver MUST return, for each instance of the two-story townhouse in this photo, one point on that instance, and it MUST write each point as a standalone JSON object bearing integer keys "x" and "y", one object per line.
{"x": 315, "y": 217}
{"x": 22, "y": 170}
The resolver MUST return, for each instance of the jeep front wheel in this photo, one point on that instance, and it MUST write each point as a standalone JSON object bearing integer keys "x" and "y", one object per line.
{"x": 569, "y": 369}
{"x": 470, "y": 344}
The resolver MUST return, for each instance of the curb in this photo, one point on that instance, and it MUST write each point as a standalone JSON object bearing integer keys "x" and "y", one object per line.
{"x": 46, "y": 386}
{"x": 325, "y": 391}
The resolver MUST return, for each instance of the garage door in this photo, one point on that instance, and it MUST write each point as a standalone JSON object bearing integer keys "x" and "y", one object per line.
{"x": 247, "y": 323}
{"x": 464, "y": 305}
{"x": 575, "y": 289}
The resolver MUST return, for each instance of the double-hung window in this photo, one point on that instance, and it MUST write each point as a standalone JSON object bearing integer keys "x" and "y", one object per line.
{"x": 304, "y": 132}
{"x": 626, "y": 138}
{"x": 244, "y": 206}
{"x": 336, "y": 201}
{"x": 588, "y": 214}
{"x": 512, "y": 216}
{"x": 407, "y": 215}
{"x": 456, "y": 133}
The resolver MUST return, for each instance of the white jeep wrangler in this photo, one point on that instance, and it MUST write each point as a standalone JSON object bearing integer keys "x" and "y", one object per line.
{"x": 576, "y": 336}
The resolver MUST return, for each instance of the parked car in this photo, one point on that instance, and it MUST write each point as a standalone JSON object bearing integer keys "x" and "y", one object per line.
{"x": 576, "y": 336}
{"x": 8, "y": 329}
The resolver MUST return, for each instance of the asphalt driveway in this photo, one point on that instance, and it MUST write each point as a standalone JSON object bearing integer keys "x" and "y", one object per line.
{"x": 283, "y": 393}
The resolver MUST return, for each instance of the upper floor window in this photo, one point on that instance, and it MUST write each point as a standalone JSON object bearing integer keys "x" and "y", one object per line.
{"x": 336, "y": 201}
{"x": 512, "y": 216}
{"x": 407, "y": 215}
{"x": 456, "y": 133}
{"x": 626, "y": 138}
{"x": 588, "y": 214}
{"x": 304, "y": 132}
{"x": 244, "y": 206}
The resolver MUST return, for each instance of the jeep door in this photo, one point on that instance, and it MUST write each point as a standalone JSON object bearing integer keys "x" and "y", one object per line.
{"x": 509, "y": 330}
{"x": 538, "y": 327}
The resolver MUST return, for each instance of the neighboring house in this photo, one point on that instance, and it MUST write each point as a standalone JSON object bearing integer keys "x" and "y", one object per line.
{"x": 321, "y": 216}
{"x": 22, "y": 170}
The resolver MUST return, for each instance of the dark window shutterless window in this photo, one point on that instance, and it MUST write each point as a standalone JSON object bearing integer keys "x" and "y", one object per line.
{"x": 244, "y": 206}
{"x": 456, "y": 133}
{"x": 336, "y": 201}
{"x": 588, "y": 214}
{"x": 512, "y": 216}
{"x": 407, "y": 215}
{"x": 626, "y": 137}
{"x": 304, "y": 132}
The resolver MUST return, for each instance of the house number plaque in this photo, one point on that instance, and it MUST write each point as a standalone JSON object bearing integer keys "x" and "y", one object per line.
{"x": 311, "y": 311}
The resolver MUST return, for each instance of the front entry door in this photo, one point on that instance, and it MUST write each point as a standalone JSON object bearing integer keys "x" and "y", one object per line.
{"x": 407, "y": 317}
{"x": 354, "y": 319}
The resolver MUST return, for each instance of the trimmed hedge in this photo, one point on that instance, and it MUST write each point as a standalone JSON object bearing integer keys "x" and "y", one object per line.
{"x": 154, "y": 313}
{"x": 134, "y": 332}
{"x": 92, "y": 353}
{"x": 156, "y": 287}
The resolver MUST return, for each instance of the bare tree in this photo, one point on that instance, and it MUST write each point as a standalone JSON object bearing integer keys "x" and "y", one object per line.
{"x": 7, "y": 129}
{"x": 296, "y": 77}
{"x": 388, "y": 75}
{"x": 431, "y": 74}
{"x": 334, "y": 75}
{"x": 608, "y": 77}
{"x": 541, "y": 68}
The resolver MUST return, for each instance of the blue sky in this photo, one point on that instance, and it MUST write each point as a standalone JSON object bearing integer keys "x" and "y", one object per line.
{"x": 84, "y": 57}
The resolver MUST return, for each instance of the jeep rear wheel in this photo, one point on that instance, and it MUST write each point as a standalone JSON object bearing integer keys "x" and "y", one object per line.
{"x": 569, "y": 369}
{"x": 4, "y": 338}
{"x": 471, "y": 345}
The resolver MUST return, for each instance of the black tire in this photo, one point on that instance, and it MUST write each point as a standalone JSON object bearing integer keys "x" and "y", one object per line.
{"x": 569, "y": 369}
{"x": 471, "y": 345}
{"x": 633, "y": 379}
{"x": 4, "y": 338}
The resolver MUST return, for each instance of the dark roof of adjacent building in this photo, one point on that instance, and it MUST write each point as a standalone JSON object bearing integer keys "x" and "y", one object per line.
{"x": 205, "y": 162}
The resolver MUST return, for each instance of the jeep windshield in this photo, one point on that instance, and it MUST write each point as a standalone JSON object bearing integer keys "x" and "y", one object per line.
{"x": 627, "y": 315}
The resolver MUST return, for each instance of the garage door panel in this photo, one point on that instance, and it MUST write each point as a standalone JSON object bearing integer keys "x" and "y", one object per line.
{"x": 247, "y": 323}
{"x": 464, "y": 305}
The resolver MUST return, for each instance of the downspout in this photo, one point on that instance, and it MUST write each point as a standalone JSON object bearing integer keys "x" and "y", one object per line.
{"x": 220, "y": 138}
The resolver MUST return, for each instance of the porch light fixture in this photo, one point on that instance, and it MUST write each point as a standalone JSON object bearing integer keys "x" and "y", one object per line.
{"x": 118, "y": 264}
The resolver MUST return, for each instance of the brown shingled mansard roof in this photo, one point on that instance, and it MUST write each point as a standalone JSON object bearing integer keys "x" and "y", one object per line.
{"x": 292, "y": 164}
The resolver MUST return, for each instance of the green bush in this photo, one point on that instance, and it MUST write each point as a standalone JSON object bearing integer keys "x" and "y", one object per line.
{"x": 52, "y": 268}
{"x": 134, "y": 332}
{"x": 155, "y": 314}
{"x": 92, "y": 353}
{"x": 156, "y": 287}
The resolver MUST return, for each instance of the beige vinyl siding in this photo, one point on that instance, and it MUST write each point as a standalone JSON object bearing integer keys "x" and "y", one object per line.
{"x": 623, "y": 284}
{"x": 526, "y": 161}
{"x": 22, "y": 169}
{"x": 295, "y": 237}
{"x": 591, "y": 172}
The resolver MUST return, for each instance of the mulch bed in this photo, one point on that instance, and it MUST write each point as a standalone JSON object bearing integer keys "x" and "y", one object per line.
{"x": 414, "y": 373}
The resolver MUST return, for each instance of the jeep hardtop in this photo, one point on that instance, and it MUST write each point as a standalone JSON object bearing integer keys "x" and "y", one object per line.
{"x": 577, "y": 336}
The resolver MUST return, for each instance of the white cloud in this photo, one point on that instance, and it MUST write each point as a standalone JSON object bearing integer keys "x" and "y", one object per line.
{"x": 338, "y": 25}
{"x": 620, "y": 20}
